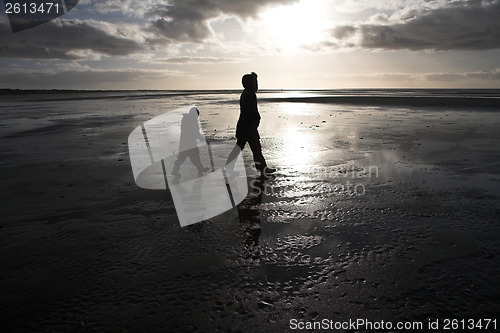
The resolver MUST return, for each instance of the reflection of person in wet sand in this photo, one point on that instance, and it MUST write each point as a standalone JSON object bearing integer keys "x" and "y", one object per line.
{"x": 249, "y": 213}
{"x": 246, "y": 129}
{"x": 190, "y": 132}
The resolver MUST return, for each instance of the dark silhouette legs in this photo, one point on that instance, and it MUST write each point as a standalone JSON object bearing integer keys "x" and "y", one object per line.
{"x": 258, "y": 158}
{"x": 194, "y": 156}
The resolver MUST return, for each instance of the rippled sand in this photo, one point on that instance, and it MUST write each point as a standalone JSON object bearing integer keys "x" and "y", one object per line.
{"x": 378, "y": 212}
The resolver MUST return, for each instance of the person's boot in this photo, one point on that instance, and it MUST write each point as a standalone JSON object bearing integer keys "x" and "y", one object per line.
{"x": 175, "y": 173}
{"x": 267, "y": 171}
{"x": 202, "y": 171}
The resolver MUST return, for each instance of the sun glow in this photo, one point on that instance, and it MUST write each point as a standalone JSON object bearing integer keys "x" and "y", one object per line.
{"x": 292, "y": 27}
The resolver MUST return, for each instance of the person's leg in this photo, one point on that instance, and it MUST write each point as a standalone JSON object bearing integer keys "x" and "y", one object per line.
{"x": 181, "y": 157}
{"x": 194, "y": 156}
{"x": 258, "y": 158}
{"x": 233, "y": 155}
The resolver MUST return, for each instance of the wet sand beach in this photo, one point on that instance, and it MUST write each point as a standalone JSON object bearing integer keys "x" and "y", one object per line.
{"x": 385, "y": 207}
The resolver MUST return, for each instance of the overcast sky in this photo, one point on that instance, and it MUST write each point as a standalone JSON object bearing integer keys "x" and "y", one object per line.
{"x": 209, "y": 44}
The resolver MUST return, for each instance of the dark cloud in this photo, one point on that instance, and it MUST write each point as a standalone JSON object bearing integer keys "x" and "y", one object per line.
{"x": 62, "y": 39}
{"x": 487, "y": 75}
{"x": 196, "y": 60}
{"x": 65, "y": 79}
{"x": 445, "y": 77}
{"x": 461, "y": 25}
{"x": 344, "y": 31}
{"x": 484, "y": 75}
{"x": 182, "y": 30}
{"x": 187, "y": 20}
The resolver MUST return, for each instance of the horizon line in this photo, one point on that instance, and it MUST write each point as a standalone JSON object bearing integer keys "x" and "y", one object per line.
{"x": 3, "y": 90}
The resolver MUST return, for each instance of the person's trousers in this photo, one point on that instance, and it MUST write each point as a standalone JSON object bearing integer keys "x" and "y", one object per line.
{"x": 194, "y": 156}
{"x": 254, "y": 143}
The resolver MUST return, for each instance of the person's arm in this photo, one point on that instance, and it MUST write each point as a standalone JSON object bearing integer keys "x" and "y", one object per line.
{"x": 255, "y": 111}
{"x": 198, "y": 131}
{"x": 250, "y": 111}
{"x": 194, "y": 129}
{"x": 200, "y": 136}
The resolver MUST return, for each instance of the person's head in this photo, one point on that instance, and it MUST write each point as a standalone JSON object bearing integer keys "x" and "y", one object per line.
{"x": 249, "y": 81}
{"x": 194, "y": 112}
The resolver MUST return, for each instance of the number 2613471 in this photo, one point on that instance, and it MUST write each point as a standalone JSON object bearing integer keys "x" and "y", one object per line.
{"x": 32, "y": 8}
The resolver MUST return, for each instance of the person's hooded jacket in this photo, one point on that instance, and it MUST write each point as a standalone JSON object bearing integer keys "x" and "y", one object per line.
{"x": 249, "y": 115}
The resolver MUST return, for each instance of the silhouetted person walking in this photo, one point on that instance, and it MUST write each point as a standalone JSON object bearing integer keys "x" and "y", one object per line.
{"x": 190, "y": 132}
{"x": 246, "y": 129}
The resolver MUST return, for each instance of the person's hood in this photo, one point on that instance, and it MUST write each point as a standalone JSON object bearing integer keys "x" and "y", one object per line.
{"x": 249, "y": 81}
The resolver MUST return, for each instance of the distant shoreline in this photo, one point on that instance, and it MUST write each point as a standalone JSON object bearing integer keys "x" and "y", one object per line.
{"x": 14, "y": 91}
{"x": 8, "y": 91}
{"x": 426, "y": 101}
{"x": 465, "y": 98}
